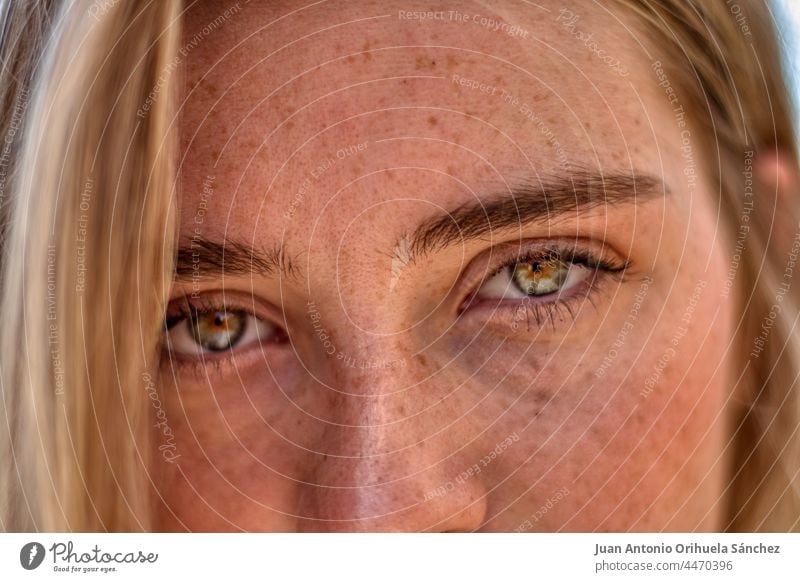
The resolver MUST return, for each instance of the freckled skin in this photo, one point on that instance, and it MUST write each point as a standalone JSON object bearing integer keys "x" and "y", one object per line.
{"x": 398, "y": 428}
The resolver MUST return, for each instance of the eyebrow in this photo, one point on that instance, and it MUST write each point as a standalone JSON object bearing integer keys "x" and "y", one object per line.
{"x": 526, "y": 202}
{"x": 531, "y": 201}
{"x": 201, "y": 259}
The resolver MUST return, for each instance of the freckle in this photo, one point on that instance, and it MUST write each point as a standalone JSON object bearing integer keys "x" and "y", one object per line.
{"x": 211, "y": 89}
{"x": 432, "y": 120}
{"x": 452, "y": 61}
{"x": 423, "y": 361}
{"x": 350, "y": 59}
{"x": 289, "y": 125}
{"x": 423, "y": 63}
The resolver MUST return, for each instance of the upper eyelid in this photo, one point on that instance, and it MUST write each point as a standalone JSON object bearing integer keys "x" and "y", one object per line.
{"x": 233, "y": 300}
{"x": 488, "y": 264}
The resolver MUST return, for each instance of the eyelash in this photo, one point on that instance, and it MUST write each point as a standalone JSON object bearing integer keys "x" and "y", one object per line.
{"x": 183, "y": 308}
{"x": 545, "y": 310}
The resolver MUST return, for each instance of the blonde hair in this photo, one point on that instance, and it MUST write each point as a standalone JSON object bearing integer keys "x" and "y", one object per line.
{"x": 725, "y": 59}
{"x": 89, "y": 94}
{"x": 87, "y": 259}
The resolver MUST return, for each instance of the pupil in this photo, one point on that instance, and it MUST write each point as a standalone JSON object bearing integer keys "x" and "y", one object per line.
{"x": 218, "y": 330}
{"x": 540, "y": 277}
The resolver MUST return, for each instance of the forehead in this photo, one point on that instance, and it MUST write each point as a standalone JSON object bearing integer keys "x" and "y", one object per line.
{"x": 294, "y": 114}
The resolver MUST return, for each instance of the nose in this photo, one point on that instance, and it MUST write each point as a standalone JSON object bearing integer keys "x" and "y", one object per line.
{"x": 391, "y": 458}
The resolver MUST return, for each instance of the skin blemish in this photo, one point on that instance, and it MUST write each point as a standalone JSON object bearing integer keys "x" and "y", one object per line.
{"x": 425, "y": 64}
{"x": 449, "y": 370}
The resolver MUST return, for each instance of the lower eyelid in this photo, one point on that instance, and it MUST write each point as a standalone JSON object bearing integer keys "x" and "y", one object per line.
{"x": 552, "y": 310}
{"x": 277, "y": 335}
{"x": 215, "y": 364}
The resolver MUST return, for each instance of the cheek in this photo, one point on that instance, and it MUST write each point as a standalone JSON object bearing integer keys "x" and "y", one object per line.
{"x": 638, "y": 446}
{"x": 241, "y": 445}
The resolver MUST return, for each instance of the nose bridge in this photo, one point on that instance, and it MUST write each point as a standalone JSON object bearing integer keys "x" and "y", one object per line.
{"x": 384, "y": 464}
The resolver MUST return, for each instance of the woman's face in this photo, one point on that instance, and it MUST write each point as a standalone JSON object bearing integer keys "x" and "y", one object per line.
{"x": 444, "y": 271}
